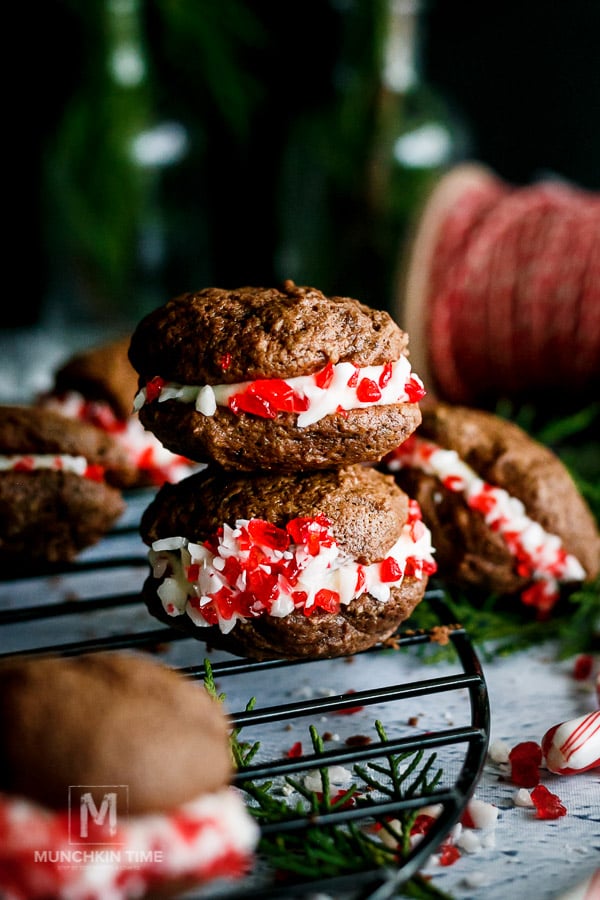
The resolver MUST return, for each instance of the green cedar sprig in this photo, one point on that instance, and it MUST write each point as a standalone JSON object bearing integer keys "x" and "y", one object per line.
{"x": 326, "y": 851}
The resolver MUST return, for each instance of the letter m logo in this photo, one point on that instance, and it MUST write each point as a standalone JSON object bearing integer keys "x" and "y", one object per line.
{"x": 95, "y": 813}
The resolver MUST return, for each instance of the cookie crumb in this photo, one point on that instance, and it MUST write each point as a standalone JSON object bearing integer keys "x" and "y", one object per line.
{"x": 358, "y": 740}
{"x": 440, "y": 634}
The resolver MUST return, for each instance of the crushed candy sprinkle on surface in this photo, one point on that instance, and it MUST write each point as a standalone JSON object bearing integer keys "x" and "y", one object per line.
{"x": 525, "y": 761}
{"x": 547, "y": 804}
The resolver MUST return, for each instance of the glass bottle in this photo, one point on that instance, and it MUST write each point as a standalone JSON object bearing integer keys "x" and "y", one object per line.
{"x": 106, "y": 229}
{"x": 356, "y": 171}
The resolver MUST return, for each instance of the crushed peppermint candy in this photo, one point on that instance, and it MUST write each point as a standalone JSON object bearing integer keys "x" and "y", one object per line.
{"x": 390, "y": 832}
{"x": 338, "y": 775}
{"x": 335, "y": 388}
{"x": 525, "y": 761}
{"x": 498, "y": 752}
{"x": 547, "y": 804}
{"x": 469, "y": 841}
{"x": 539, "y": 556}
{"x": 522, "y": 797}
{"x": 583, "y": 667}
{"x": 145, "y": 452}
{"x": 34, "y": 462}
{"x": 257, "y": 568}
{"x": 479, "y": 814}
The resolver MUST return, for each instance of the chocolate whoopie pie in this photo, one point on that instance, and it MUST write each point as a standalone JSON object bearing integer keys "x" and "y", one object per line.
{"x": 280, "y": 380}
{"x": 57, "y": 492}
{"x": 120, "y": 723}
{"x": 98, "y": 385}
{"x": 102, "y": 373}
{"x": 504, "y": 512}
{"x": 289, "y": 565}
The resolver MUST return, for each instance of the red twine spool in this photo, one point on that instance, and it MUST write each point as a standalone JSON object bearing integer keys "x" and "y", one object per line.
{"x": 503, "y": 289}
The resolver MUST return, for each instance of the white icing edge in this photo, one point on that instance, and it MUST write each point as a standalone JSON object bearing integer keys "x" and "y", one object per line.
{"x": 56, "y": 462}
{"x": 131, "y": 435}
{"x": 508, "y": 511}
{"x": 322, "y": 401}
{"x": 331, "y": 569}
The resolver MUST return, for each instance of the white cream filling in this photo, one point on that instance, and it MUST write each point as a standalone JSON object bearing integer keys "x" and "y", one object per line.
{"x": 143, "y": 448}
{"x": 395, "y": 385}
{"x": 29, "y": 462}
{"x": 544, "y": 552}
{"x": 330, "y": 569}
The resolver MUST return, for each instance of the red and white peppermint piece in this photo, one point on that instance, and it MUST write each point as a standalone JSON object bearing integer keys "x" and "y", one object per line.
{"x": 479, "y": 814}
{"x": 573, "y": 746}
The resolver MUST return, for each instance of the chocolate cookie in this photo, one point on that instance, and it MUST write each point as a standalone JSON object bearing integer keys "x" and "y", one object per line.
{"x": 102, "y": 373}
{"x": 109, "y": 719}
{"x": 125, "y": 724}
{"x": 293, "y": 565}
{"x": 504, "y": 512}
{"x": 280, "y": 380}
{"x": 98, "y": 385}
{"x": 56, "y": 495}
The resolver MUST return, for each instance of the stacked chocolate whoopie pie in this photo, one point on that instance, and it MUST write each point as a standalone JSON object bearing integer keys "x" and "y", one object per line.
{"x": 289, "y": 543}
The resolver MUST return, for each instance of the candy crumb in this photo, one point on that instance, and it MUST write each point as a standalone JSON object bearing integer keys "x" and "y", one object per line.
{"x": 498, "y": 752}
{"x": 522, "y": 797}
{"x": 547, "y": 804}
{"x": 338, "y": 775}
{"x": 480, "y": 814}
{"x": 387, "y": 837}
{"x": 488, "y": 839}
{"x": 525, "y": 760}
{"x": 583, "y": 666}
{"x": 433, "y": 809}
{"x": 469, "y": 841}
{"x": 475, "y": 880}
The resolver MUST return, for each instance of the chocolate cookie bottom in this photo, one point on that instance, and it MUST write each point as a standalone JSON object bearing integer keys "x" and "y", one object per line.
{"x": 248, "y": 443}
{"x": 49, "y": 517}
{"x": 358, "y": 626}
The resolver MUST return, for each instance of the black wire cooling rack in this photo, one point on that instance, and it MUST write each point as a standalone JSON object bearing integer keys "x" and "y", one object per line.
{"x": 94, "y": 605}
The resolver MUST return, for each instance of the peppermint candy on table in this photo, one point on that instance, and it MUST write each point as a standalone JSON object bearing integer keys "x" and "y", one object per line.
{"x": 573, "y": 746}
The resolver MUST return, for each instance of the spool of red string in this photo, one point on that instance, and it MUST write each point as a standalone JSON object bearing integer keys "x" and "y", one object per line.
{"x": 502, "y": 291}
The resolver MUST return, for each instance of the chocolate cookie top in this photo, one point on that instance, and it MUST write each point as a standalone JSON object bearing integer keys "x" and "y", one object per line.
{"x": 109, "y": 719}
{"x": 366, "y": 508}
{"x": 226, "y": 336}
{"x": 101, "y": 373}
{"x": 38, "y": 431}
{"x": 504, "y": 455}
